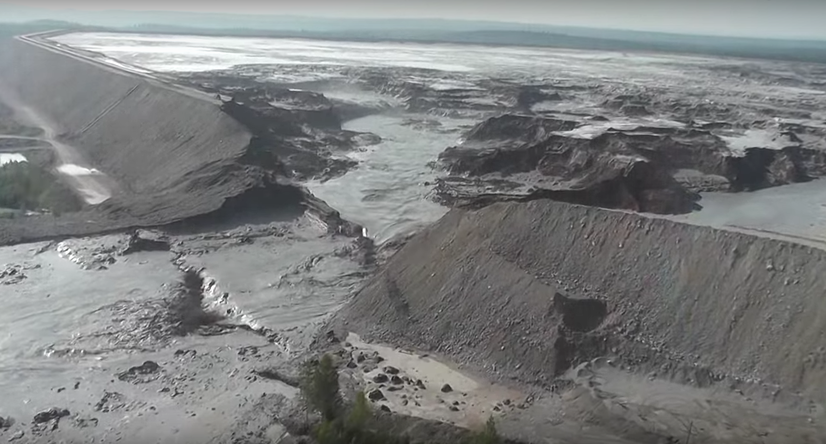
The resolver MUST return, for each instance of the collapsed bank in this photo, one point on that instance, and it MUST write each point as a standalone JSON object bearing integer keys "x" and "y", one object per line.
{"x": 522, "y": 292}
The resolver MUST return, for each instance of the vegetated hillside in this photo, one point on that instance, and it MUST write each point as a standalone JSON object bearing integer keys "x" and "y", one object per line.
{"x": 528, "y": 290}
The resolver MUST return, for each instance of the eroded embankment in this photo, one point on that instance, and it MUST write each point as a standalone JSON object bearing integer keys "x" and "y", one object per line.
{"x": 172, "y": 155}
{"x": 503, "y": 289}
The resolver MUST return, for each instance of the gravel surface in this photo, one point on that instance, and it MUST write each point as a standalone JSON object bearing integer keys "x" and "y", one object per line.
{"x": 526, "y": 292}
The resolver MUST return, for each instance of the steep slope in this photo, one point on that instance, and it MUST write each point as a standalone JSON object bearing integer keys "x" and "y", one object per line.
{"x": 169, "y": 155}
{"x": 529, "y": 290}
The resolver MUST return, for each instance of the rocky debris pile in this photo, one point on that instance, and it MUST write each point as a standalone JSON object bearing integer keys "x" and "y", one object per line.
{"x": 146, "y": 372}
{"x": 145, "y": 324}
{"x": 287, "y": 105}
{"x": 523, "y": 157}
{"x": 48, "y": 420}
{"x": 761, "y": 168}
{"x": 52, "y": 414}
{"x": 143, "y": 240}
{"x": 12, "y": 274}
{"x": 110, "y": 402}
{"x": 297, "y": 132}
{"x": 97, "y": 257}
{"x": 528, "y": 291}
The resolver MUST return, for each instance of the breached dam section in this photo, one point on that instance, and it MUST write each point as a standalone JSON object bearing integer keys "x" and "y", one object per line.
{"x": 168, "y": 155}
{"x": 528, "y": 291}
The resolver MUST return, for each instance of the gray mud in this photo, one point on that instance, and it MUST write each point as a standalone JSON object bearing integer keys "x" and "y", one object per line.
{"x": 172, "y": 333}
{"x": 597, "y": 326}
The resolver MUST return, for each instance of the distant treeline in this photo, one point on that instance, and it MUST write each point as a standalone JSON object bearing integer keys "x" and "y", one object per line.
{"x": 13, "y": 29}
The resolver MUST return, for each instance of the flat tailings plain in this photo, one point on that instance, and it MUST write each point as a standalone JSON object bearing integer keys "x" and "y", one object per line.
{"x": 527, "y": 291}
{"x": 171, "y": 155}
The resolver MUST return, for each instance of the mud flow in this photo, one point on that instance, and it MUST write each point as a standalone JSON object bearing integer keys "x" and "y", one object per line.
{"x": 579, "y": 244}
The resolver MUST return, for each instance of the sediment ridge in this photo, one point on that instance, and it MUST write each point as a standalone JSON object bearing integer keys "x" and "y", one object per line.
{"x": 525, "y": 291}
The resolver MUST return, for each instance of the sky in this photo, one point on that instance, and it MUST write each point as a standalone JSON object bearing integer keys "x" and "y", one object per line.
{"x": 752, "y": 18}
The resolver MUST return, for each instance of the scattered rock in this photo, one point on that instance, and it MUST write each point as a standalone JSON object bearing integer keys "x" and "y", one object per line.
{"x": 134, "y": 374}
{"x": 384, "y": 408}
{"x": 83, "y": 423}
{"x": 396, "y": 380}
{"x": 506, "y": 402}
{"x": 393, "y": 388}
{"x": 185, "y": 353}
{"x": 375, "y": 395}
{"x": 351, "y": 364}
{"x": 447, "y": 388}
{"x": 332, "y": 338}
{"x": 48, "y": 415}
{"x": 453, "y": 408}
{"x": 17, "y": 435}
{"x": 360, "y": 358}
{"x": 12, "y": 274}
{"x": 145, "y": 241}
{"x": 278, "y": 375}
{"x": 110, "y": 402}
{"x": 381, "y": 378}
{"x": 420, "y": 384}
{"x": 5, "y": 423}
{"x": 391, "y": 370}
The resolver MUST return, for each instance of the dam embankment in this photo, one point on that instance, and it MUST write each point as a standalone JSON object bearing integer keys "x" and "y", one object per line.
{"x": 528, "y": 290}
{"x": 168, "y": 155}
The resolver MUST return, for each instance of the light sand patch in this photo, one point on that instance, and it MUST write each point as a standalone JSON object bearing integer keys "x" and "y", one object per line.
{"x": 469, "y": 404}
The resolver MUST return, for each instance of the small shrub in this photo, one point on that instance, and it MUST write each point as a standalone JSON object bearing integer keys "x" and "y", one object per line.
{"x": 319, "y": 386}
{"x": 488, "y": 434}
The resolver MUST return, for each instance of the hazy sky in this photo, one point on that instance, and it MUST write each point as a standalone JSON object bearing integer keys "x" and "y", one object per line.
{"x": 759, "y": 18}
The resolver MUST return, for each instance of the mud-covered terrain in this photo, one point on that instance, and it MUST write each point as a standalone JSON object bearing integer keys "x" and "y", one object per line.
{"x": 179, "y": 332}
{"x": 145, "y": 154}
{"x": 630, "y": 327}
{"x": 573, "y": 127}
{"x": 237, "y": 193}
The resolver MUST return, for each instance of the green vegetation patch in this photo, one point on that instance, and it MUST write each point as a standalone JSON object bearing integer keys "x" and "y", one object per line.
{"x": 357, "y": 424}
{"x": 25, "y": 186}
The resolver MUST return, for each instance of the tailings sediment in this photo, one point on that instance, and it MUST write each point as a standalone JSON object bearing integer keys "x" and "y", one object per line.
{"x": 529, "y": 290}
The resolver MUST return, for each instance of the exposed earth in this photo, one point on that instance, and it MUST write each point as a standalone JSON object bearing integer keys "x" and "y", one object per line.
{"x": 589, "y": 247}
